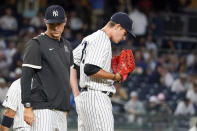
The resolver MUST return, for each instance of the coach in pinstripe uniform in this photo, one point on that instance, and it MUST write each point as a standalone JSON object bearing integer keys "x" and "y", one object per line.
{"x": 94, "y": 55}
{"x": 46, "y": 70}
{"x": 14, "y": 109}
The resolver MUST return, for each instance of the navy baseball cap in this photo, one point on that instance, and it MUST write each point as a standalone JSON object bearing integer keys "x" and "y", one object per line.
{"x": 55, "y": 14}
{"x": 124, "y": 20}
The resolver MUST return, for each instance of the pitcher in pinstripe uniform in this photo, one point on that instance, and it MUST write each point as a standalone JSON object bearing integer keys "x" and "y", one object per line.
{"x": 14, "y": 109}
{"x": 94, "y": 55}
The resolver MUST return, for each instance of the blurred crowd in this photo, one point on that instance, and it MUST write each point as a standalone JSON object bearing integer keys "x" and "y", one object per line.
{"x": 165, "y": 79}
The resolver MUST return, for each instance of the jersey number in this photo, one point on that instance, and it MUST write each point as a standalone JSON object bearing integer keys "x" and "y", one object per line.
{"x": 83, "y": 52}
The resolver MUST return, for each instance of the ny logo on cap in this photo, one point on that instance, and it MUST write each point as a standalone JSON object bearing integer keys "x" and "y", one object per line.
{"x": 55, "y": 13}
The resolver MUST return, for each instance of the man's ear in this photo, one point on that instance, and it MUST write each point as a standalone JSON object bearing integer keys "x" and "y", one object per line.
{"x": 65, "y": 20}
{"x": 117, "y": 26}
{"x": 45, "y": 21}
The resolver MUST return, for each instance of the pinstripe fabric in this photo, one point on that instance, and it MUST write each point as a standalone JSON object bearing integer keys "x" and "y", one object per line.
{"x": 49, "y": 120}
{"x": 97, "y": 52}
{"x": 13, "y": 101}
{"x": 94, "y": 108}
{"x": 45, "y": 120}
{"x": 22, "y": 129}
{"x": 81, "y": 122}
{"x": 94, "y": 112}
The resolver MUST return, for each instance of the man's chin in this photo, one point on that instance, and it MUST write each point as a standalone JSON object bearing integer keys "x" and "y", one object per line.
{"x": 56, "y": 35}
{"x": 117, "y": 42}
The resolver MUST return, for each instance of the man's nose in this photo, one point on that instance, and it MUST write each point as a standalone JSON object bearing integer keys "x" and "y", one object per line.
{"x": 56, "y": 27}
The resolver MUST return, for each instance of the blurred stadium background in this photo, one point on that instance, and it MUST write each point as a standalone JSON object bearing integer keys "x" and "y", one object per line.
{"x": 161, "y": 95}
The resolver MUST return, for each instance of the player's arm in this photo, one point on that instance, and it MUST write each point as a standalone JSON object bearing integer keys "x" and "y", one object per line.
{"x": 73, "y": 70}
{"x": 96, "y": 71}
{"x": 73, "y": 81}
{"x": 31, "y": 63}
{"x": 95, "y": 58}
{"x": 26, "y": 93}
{"x": 8, "y": 118}
{"x": 11, "y": 105}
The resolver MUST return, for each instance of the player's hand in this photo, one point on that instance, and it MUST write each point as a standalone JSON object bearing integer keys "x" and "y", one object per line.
{"x": 123, "y": 64}
{"x": 66, "y": 113}
{"x": 3, "y": 128}
{"x": 28, "y": 116}
{"x": 77, "y": 103}
{"x": 76, "y": 98}
{"x": 117, "y": 77}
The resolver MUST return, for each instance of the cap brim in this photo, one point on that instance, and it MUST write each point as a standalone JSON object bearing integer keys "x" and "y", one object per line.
{"x": 131, "y": 34}
{"x": 55, "y": 21}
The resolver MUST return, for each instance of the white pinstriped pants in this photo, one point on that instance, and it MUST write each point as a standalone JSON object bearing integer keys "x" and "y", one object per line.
{"x": 49, "y": 120}
{"x": 22, "y": 129}
{"x": 94, "y": 110}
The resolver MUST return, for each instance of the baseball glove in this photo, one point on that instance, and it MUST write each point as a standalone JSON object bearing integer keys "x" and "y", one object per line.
{"x": 123, "y": 64}
{"x": 114, "y": 64}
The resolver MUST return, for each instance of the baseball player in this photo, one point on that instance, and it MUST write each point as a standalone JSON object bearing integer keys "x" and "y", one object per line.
{"x": 14, "y": 109}
{"x": 94, "y": 56}
{"x": 46, "y": 70}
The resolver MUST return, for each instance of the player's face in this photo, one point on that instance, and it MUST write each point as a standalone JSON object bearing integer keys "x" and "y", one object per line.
{"x": 119, "y": 34}
{"x": 55, "y": 29}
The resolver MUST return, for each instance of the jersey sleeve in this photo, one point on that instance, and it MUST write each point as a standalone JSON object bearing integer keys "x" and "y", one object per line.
{"x": 77, "y": 53}
{"x": 12, "y": 98}
{"x": 32, "y": 55}
{"x": 96, "y": 52}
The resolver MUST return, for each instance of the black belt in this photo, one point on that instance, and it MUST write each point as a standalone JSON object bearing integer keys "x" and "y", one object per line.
{"x": 110, "y": 94}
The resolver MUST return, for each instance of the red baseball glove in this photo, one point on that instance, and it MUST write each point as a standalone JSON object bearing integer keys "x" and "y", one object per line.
{"x": 114, "y": 64}
{"x": 123, "y": 64}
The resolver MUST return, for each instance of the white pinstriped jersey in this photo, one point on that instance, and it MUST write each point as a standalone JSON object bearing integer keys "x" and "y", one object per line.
{"x": 95, "y": 49}
{"x": 13, "y": 101}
